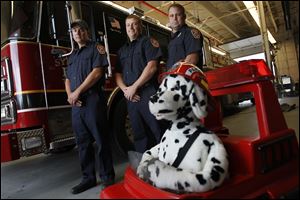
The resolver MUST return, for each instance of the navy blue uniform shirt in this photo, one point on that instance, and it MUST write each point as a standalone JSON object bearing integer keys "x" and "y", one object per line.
{"x": 134, "y": 56}
{"x": 184, "y": 42}
{"x": 82, "y": 62}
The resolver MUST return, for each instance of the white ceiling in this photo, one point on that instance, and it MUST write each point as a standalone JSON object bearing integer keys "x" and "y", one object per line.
{"x": 248, "y": 46}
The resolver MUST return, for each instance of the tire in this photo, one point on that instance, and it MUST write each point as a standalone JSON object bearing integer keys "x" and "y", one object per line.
{"x": 122, "y": 132}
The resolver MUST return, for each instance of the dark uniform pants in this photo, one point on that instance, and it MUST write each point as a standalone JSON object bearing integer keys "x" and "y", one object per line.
{"x": 142, "y": 121}
{"x": 90, "y": 124}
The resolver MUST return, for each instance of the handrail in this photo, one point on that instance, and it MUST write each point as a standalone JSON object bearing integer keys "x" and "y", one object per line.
{"x": 70, "y": 31}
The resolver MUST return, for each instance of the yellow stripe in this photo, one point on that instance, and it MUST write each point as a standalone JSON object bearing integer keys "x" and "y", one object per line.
{"x": 204, "y": 83}
{"x": 36, "y": 91}
{"x": 178, "y": 69}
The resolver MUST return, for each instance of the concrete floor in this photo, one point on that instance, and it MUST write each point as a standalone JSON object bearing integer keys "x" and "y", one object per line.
{"x": 52, "y": 176}
{"x": 244, "y": 123}
{"x": 49, "y": 177}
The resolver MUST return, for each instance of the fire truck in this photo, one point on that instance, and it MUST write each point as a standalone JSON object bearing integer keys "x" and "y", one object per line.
{"x": 35, "y": 43}
{"x": 261, "y": 166}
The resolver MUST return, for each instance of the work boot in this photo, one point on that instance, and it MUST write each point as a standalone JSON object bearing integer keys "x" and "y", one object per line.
{"x": 83, "y": 186}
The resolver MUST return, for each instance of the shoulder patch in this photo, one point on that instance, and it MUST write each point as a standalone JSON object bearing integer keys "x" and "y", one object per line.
{"x": 101, "y": 49}
{"x": 154, "y": 42}
{"x": 196, "y": 33}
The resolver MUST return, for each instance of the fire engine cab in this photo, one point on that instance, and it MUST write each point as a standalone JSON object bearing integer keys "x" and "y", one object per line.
{"x": 263, "y": 166}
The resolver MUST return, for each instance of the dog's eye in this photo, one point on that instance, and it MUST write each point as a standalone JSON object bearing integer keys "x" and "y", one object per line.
{"x": 176, "y": 87}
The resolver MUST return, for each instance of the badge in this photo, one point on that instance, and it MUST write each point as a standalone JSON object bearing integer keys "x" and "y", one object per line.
{"x": 196, "y": 33}
{"x": 101, "y": 49}
{"x": 154, "y": 42}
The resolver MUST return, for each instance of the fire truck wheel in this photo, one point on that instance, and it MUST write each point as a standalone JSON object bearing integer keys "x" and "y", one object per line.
{"x": 122, "y": 132}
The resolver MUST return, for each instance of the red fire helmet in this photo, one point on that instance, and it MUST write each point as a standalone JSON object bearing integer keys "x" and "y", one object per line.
{"x": 195, "y": 74}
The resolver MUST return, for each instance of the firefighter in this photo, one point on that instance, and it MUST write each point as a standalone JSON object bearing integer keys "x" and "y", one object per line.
{"x": 85, "y": 78}
{"x": 186, "y": 42}
{"x": 136, "y": 76}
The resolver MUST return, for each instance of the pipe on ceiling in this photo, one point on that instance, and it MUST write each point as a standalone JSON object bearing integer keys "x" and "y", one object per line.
{"x": 154, "y": 8}
{"x": 216, "y": 14}
{"x": 166, "y": 15}
{"x": 240, "y": 10}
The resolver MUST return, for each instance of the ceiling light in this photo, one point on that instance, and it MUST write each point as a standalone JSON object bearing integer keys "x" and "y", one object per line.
{"x": 136, "y": 11}
{"x": 217, "y": 51}
{"x": 252, "y": 10}
{"x": 163, "y": 26}
{"x": 116, "y": 6}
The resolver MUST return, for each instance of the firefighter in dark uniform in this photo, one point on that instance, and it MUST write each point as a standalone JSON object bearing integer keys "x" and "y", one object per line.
{"x": 85, "y": 78}
{"x": 186, "y": 42}
{"x": 137, "y": 65}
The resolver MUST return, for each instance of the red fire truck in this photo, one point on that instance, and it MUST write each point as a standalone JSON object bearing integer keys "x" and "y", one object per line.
{"x": 263, "y": 166}
{"x": 35, "y": 44}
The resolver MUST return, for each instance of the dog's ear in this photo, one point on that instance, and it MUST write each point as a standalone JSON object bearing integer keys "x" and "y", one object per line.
{"x": 198, "y": 100}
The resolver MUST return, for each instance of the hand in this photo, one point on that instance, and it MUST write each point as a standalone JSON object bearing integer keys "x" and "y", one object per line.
{"x": 73, "y": 97}
{"x": 130, "y": 94}
{"x": 78, "y": 103}
{"x": 136, "y": 98}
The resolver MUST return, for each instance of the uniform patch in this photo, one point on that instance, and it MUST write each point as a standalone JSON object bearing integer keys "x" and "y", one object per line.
{"x": 154, "y": 42}
{"x": 101, "y": 49}
{"x": 196, "y": 33}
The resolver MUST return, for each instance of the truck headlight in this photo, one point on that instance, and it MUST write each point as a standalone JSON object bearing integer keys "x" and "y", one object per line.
{"x": 3, "y": 112}
{"x": 31, "y": 142}
{"x": 8, "y": 111}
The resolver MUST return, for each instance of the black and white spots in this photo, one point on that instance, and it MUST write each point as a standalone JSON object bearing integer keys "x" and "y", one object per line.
{"x": 208, "y": 144}
{"x": 176, "y": 97}
{"x": 200, "y": 178}
{"x": 186, "y": 147}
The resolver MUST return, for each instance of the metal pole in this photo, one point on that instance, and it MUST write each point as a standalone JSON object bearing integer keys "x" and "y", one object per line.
{"x": 67, "y": 5}
{"x": 264, "y": 33}
{"x": 107, "y": 47}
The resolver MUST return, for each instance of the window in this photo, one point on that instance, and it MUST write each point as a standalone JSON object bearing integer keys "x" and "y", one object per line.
{"x": 55, "y": 24}
{"x": 24, "y": 19}
{"x": 86, "y": 11}
{"x": 92, "y": 13}
{"x": 116, "y": 32}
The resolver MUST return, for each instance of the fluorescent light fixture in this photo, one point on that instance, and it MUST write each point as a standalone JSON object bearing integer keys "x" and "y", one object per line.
{"x": 217, "y": 51}
{"x": 110, "y": 3}
{"x": 163, "y": 26}
{"x": 252, "y": 10}
{"x": 254, "y": 56}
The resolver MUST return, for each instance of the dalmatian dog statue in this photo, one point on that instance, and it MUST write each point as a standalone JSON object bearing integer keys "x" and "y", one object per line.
{"x": 189, "y": 158}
